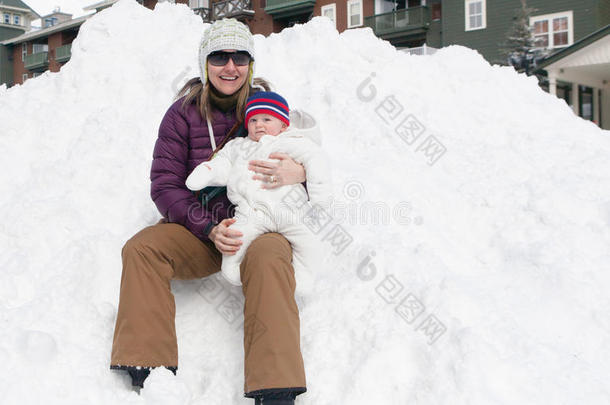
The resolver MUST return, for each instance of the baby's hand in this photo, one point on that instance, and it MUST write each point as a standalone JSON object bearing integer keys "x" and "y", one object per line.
{"x": 199, "y": 178}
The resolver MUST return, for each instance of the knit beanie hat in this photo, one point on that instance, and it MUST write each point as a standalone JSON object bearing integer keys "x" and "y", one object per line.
{"x": 227, "y": 33}
{"x": 268, "y": 102}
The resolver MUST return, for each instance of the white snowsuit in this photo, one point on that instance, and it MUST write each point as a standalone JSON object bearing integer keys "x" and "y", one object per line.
{"x": 279, "y": 210}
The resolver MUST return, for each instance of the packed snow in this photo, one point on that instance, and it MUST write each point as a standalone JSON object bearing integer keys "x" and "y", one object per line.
{"x": 475, "y": 209}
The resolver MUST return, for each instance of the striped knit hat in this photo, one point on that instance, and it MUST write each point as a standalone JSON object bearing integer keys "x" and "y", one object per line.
{"x": 268, "y": 102}
{"x": 227, "y": 33}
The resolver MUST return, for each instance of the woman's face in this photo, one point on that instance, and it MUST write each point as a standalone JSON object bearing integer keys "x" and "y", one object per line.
{"x": 229, "y": 78}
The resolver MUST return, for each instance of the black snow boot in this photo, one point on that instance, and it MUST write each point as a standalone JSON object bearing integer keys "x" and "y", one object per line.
{"x": 138, "y": 375}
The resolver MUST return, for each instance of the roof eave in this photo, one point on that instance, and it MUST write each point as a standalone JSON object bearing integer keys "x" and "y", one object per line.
{"x": 25, "y": 10}
{"x": 106, "y": 3}
{"x": 46, "y": 31}
{"x": 576, "y": 46}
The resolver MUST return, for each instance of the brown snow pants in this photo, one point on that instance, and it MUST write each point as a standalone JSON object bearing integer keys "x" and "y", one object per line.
{"x": 145, "y": 333}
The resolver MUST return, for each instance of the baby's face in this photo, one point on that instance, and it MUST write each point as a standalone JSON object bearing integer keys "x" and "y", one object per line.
{"x": 264, "y": 124}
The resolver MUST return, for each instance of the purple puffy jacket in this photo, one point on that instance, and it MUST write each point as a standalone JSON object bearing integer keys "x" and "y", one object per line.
{"x": 182, "y": 144}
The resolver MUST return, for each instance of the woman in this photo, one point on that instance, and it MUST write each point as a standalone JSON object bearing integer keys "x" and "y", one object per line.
{"x": 188, "y": 242}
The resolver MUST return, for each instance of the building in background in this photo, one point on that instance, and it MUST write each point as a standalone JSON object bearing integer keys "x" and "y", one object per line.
{"x": 573, "y": 32}
{"x": 580, "y": 74}
{"x": 26, "y": 52}
{"x": 484, "y": 24}
{"x": 568, "y": 30}
{"x": 408, "y": 23}
{"x": 268, "y": 16}
{"x": 15, "y": 19}
{"x": 48, "y": 48}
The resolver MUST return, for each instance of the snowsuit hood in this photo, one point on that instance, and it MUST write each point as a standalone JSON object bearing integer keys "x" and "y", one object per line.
{"x": 302, "y": 124}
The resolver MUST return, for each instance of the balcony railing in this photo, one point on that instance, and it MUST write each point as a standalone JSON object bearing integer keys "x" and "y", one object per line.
{"x": 38, "y": 60}
{"x": 231, "y": 8}
{"x": 289, "y": 8}
{"x": 222, "y": 9}
{"x": 410, "y": 19}
{"x": 63, "y": 53}
{"x": 420, "y": 50}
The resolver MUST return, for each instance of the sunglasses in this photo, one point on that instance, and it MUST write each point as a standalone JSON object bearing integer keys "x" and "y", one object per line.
{"x": 221, "y": 58}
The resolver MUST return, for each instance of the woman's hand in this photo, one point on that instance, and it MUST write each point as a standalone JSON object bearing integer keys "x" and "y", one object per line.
{"x": 277, "y": 174}
{"x": 226, "y": 239}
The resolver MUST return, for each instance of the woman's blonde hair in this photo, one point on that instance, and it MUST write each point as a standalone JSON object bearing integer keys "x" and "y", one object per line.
{"x": 195, "y": 91}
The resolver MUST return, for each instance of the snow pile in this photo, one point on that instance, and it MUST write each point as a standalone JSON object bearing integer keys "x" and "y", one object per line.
{"x": 481, "y": 281}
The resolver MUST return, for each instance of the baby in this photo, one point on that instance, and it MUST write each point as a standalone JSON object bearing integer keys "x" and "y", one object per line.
{"x": 271, "y": 128}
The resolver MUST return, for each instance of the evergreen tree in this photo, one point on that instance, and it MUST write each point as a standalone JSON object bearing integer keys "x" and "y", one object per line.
{"x": 520, "y": 48}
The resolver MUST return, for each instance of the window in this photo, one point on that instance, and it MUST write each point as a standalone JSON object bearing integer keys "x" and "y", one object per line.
{"x": 476, "y": 14}
{"x": 16, "y": 19}
{"x": 36, "y": 74}
{"x": 585, "y": 95}
{"x": 354, "y": 13}
{"x": 194, "y": 4}
{"x": 24, "y": 77}
{"x": 36, "y": 48}
{"x": 541, "y": 33}
{"x": 24, "y": 51}
{"x": 553, "y": 30}
{"x": 7, "y": 18}
{"x": 330, "y": 11}
{"x": 436, "y": 11}
{"x": 49, "y": 22}
{"x": 564, "y": 92}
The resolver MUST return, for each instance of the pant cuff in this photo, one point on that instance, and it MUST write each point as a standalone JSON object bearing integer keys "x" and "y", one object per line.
{"x": 276, "y": 393}
{"x": 114, "y": 367}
